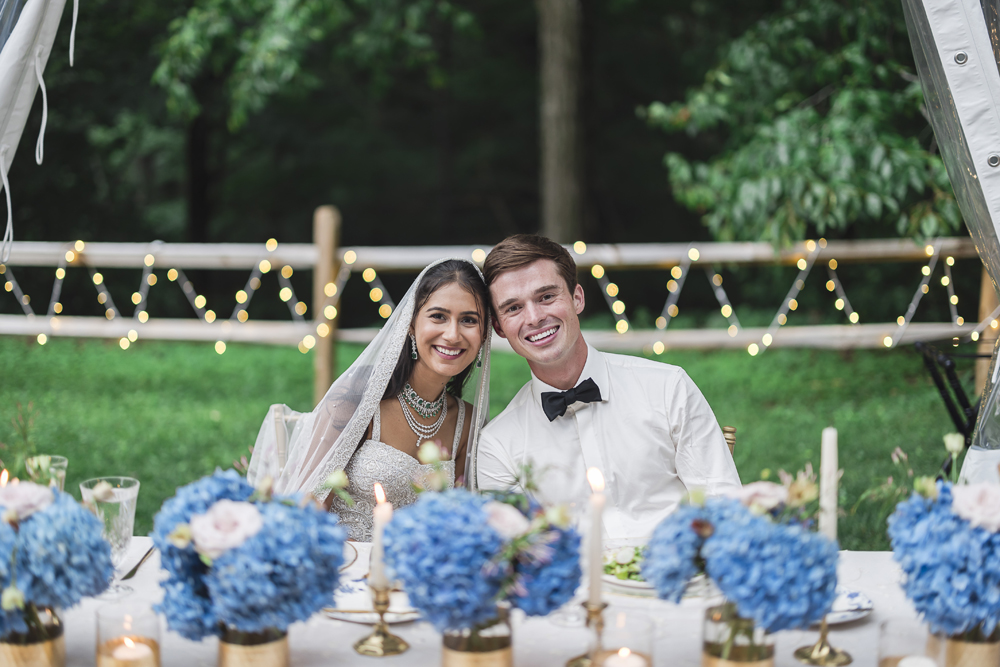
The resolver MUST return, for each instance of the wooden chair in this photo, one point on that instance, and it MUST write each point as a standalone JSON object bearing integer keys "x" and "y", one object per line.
{"x": 729, "y": 433}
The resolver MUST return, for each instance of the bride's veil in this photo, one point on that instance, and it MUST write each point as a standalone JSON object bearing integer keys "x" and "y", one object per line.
{"x": 300, "y": 450}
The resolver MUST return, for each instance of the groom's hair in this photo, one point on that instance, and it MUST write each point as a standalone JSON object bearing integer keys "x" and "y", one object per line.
{"x": 517, "y": 251}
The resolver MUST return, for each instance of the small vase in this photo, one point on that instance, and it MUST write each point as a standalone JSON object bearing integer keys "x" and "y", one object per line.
{"x": 488, "y": 644}
{"x": 730, "y": 640}
{"x": 253, "y": 649}
{"x": 972, "y": 649}
{"x": 42, "y": 646}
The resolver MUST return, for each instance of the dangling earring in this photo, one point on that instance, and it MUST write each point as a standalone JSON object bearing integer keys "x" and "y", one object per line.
{"x": 413, "y": 342}
{"x": 479, "y": 358}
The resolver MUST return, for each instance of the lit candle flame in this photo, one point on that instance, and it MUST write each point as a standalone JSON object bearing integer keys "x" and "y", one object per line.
{"x": 3, "y": 477}
{"x": 624, "y": 652}
{"x": 131, "y": 644}
{"x": 379, "y": 493}
{"x": 596, "y": 479}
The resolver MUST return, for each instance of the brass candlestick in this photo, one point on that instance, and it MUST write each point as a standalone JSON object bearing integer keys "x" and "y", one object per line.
{"x": 821, "y": 653}
{"x": 595, "y": 619}
{"x": 381, "y": 642}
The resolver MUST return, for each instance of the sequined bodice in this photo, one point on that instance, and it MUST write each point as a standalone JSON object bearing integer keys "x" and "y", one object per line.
{"x": 375, "y": 461}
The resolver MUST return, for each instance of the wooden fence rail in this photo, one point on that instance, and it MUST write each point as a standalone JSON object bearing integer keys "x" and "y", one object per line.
{"x": 331, "y": 264}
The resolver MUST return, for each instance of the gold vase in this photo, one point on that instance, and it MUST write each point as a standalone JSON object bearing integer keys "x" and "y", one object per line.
{"x": 44, "y": 646}
{"x": 489, "y": 644}
{"x": 972, "y": 650}
{"x": 730, "y": 640}
{"x": 258, "y": 649}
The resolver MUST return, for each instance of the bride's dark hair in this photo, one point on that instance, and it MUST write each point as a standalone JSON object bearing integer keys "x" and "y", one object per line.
{"x": 445, "y": 273}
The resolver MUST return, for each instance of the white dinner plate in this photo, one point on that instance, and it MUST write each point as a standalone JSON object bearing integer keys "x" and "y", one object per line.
{"x": 352, "y": 602}
{"x": 350, "y": 555}
{"x": 613, "y": 584}
{"x": 848, "y": 606}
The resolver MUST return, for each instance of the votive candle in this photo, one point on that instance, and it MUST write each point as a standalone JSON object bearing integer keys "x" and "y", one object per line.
{"x": 596, "y": 538}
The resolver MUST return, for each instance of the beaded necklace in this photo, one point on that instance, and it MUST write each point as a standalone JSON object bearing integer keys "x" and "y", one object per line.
{"x": 426, "y": 409}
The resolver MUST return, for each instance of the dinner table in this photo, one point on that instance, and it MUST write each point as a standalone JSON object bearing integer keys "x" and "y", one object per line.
{"x": 538, "y": 641}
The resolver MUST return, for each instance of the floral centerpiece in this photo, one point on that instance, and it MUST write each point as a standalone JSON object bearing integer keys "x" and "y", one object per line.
{"x": 465, "y": 558}
{"x": 757, "y": 547}
{"x": 242, "y": 564}
{"x": 52, "y": 555}
{"x": 946, "y": 538}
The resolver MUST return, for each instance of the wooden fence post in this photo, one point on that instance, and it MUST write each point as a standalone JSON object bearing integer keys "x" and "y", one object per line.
{"x": 987, "y": 304}
{"x": 326, "y": 237}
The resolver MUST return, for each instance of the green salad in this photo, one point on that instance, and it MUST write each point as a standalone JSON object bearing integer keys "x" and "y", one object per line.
{"x": 624, "y": 563}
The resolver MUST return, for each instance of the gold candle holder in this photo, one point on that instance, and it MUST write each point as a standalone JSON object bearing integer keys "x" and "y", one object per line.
{"x": 381, "y": 642}
{"x": 821, "y": 653}
{"x": 595, "y": 620}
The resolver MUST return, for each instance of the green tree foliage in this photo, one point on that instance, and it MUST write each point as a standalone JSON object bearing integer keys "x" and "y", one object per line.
{"x": 815, "y": 119}
{"x": 257, "y": 46}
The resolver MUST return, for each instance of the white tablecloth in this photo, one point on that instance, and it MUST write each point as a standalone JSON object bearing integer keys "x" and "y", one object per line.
{"x": 538, "y": 642}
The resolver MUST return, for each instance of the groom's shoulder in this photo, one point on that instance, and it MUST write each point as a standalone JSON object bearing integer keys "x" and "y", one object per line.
{"x": 649, "y": 369}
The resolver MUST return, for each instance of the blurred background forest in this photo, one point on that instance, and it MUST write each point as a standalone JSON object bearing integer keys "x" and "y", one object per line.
{"x": 429, "y": 122}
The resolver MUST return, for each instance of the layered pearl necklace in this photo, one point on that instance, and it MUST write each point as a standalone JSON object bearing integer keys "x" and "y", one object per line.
{"x": 420, "y": 430}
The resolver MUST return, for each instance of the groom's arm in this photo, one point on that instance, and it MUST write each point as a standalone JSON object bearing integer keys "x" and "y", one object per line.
{"x": 703, "y": 458}
{"x": 495, "y": 470}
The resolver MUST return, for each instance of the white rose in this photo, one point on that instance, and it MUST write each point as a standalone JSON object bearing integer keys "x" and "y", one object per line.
{"x": 954, "y": 443}
{"x": 625, "y": 555}
{"x": 978, "y": 504}
{"x": 506, "y": 520}
{"x": 25, "y": 498}
{"x": 764, "y": 495}
{"x": 225, "y": 526}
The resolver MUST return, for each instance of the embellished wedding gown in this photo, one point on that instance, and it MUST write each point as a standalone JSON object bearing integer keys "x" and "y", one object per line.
{"x": 375, "y": 461}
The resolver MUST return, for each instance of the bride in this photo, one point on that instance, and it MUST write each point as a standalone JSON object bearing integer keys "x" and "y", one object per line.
{"x": 406, "y": 387}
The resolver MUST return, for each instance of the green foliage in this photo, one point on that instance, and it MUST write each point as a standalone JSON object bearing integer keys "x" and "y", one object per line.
{"x": 816, "y": 112}
{"x": 257, "y": 46}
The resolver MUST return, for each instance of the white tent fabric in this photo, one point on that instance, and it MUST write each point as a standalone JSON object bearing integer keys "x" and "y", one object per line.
{"x": 22, "y": 60}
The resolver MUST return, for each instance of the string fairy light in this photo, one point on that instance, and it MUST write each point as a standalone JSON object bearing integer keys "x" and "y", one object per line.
{"x": 725, "y": 306}
{"x": 834, "y": 285}
{"x": 933, "y": 251}
{"x": 609, "y": 291}
{"x": 790, "y": 302}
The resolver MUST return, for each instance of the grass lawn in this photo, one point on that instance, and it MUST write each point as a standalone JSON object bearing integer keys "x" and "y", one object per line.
{"x": 168, "y": 413}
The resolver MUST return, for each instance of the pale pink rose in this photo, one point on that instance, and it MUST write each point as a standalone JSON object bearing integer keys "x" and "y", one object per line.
{"x": 225, "y": 526}
{"x": 764, "y": 495}
{"x": 25, "y": 498}
{"x": 978, "y": 504}
{"x": 506, "y": 520}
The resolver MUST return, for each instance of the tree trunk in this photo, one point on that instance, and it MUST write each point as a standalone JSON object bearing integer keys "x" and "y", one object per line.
{"x": 561, "y": 154}
{"x": 198, "y": 176}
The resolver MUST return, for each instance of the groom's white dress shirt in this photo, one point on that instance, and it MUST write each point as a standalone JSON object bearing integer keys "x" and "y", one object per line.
{"x": 653, "y": 436}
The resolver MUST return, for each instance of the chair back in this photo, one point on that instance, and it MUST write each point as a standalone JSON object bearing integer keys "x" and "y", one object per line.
{"x": 729, "y": 433}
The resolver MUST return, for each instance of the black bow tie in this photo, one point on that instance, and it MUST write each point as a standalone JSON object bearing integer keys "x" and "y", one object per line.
{"x": 554, "y": 403}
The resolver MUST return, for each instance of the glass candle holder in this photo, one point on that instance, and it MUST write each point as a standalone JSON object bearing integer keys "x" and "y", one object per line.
{"x": 128, "y": 635}
{"x": 906, "y": 642}
{"x": 626, "y": 640}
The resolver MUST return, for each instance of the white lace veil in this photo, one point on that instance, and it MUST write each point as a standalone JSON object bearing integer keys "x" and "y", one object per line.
{"x": 300, "y": 450}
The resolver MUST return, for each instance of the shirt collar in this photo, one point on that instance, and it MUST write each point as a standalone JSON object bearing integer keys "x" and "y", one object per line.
{"x": 594, "y": 368}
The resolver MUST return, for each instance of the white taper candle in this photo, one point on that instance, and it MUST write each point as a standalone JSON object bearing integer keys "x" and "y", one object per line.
{"x": 828, "y": 484}
{"x": 381, "y": 515}
{"x": 595, "y": 539}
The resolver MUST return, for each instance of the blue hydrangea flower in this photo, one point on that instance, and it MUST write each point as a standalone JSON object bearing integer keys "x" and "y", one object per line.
{"x": 440, "y": 547}
{"x": 952, "y": 569}
{"x": 61, "y": 558}
{"x": 550, "y": 584}
{"x": 669, "y": 561}
{"x": 780, "y": 575}
{"x": 283, "y": 574}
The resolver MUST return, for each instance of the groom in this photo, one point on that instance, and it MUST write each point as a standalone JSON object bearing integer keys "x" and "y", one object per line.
{"x": 643, "y": 423}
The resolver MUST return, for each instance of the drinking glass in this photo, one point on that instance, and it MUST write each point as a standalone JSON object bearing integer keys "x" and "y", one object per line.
{"x": 627, "y": 640}
{"x": 117, "y": 512}
{"x": 906, "y": 642}
{"x": 54, "y": 475}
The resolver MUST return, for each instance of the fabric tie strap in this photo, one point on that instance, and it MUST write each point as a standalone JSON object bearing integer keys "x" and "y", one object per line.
{"x": 554, "y": 403}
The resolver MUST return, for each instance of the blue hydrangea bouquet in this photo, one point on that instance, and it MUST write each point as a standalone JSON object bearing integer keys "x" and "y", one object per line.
{"x": 459, "y": 555}
{"x": 946, "y": 538}
{"x": 52, "y": 555}
{"x": 757, "y": 547}
{"x": 243, "y": 564}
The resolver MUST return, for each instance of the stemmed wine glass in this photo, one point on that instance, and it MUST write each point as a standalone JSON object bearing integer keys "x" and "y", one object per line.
{"x": 116, "y": 509}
